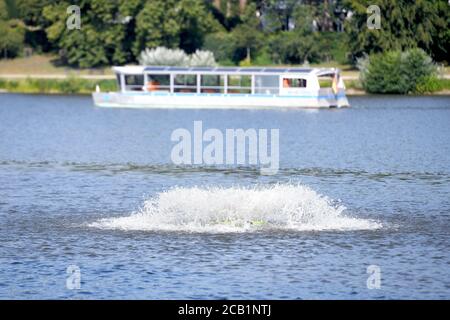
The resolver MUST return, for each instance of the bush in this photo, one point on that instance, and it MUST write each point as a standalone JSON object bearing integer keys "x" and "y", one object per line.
{"x": 66, "y": 86}
{"x": 202, "y": 58}
{"x": 429, "y": 84}
{"x": 71, "y": 85}
{"x": 12, "y": 85}
{"x": 445, "y": 84}
{"x": 411, "y": 71}
{"x": 40, "y": 85}
{"x": 106, "y": 85}
{"x": 162, "y": 56}
{"x": 245, "y": 63}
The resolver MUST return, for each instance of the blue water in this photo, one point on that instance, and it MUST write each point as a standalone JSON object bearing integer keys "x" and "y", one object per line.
{"x": 76, "y": 183}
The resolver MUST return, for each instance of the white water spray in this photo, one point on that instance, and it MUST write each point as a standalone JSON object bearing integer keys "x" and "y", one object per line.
{"x": 238, "y": 209}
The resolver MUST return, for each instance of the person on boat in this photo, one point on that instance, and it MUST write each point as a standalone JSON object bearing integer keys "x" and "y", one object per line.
{"x": 152, "y": 85}
{"x": 334, "y": 84}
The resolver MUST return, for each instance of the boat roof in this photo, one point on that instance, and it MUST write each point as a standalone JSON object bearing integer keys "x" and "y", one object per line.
{"x": 224, "y": 70}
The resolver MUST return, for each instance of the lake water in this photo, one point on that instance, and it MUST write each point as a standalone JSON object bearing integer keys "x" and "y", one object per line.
{"x": 92, "y": 194}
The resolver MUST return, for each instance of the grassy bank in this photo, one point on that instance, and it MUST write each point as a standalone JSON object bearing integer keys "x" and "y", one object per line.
{"x": 46, "y": 65}
{"x": 87, "y": 86}
{"x": 62, "y": 86}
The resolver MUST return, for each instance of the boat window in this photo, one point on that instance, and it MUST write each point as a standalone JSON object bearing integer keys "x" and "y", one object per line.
{"x": 134, "y": 82}
{"x": 185, "y": 83}
{"x": 212, "y": 83}
{"x": 158, "y": 82}
{"x": 267, "y": 84}
{"x": 294, "y": 83}
{"x": 240, "y": 84}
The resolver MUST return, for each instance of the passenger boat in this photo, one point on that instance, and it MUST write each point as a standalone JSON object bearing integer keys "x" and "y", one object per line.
{"x": 224, "y": 87}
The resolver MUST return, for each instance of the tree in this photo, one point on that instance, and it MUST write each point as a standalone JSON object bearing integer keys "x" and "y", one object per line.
{"x": 300, "y": 45}
{"x": 3, "y": 11}
{"x": 11, "y": 9}
{"x": 440, "y": 45}
{"x": 174, "y": 24}
{"x": 12, "y": 34}
{"x": 105, "y": 36}
{"x": 226, "y": 12}
{"x": 404, "y": 24}
{"x": 222, "y": 45}
{"x": 278, "y": 15}
{"x": 248, "y": 35}
{"x": 30, "y": 11}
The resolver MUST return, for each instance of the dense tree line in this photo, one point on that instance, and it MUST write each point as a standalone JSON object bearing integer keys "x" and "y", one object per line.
{"x": 252, "y": 31}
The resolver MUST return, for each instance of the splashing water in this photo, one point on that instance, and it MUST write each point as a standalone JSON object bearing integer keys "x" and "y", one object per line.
{"x": 238, "y": 209}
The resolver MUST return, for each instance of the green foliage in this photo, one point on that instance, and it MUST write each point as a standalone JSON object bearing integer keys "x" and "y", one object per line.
{"x": 278, "y": 16}
{"x": 303, "y": 44}
{"x": 411, "y": 71}
{"x": 244, "y": 43}
{"x": 263, "y": 58}
{"x": 245, "y": 63}
{"x": 222, "y": 45}
{"x": 104, "y": 38}
{"x": 247, "y": 36}
{"x": 70, "y": 85}
{"x": 293, "y": 48}
{"x": 354, "y": 84}
{"x": 12, "y": 34}
{"x": 11, "y": 85}
{"x": 30, "y": 11}
{"x": 173, "y": 24}
{"x": 11, "y": 9}
{"x": 440, "y": 44}
{"x": 3, "y": 10}
{"x": 227, "y": 13}
{"x": 114, "y": 32}
{"x": 429, "y": 84}
{"x": 404, "y": 24}
{"x": 333, "y": 47}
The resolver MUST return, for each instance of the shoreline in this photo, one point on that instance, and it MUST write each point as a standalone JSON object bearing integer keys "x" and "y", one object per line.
{"x": 86, "y": 84}
{"x": 350, "y": 93}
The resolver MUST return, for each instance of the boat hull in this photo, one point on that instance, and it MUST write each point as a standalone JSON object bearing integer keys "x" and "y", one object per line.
{"x": 216, "y": 101}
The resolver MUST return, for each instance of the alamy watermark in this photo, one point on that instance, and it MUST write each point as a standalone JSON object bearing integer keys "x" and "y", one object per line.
{"x": 214, "y": 147}
{"x": 73, "y": 280}
{"x": 74, "y": 19}
{"x": 374, "y": 279}
{"x": 374, "y": 20}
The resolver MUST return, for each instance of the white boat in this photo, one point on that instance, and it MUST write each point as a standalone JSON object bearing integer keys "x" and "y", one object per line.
{"x": 224, "y": 87}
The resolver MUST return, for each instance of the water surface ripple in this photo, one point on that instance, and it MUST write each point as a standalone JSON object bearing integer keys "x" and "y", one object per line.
{"x": 96, "y": 188}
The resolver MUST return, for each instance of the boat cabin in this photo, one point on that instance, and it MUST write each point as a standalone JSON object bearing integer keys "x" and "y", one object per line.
{"x": 227, "y": 80}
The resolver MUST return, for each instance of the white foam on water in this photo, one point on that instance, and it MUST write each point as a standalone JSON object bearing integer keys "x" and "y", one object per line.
{"x": 238, "y": 209}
